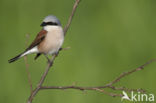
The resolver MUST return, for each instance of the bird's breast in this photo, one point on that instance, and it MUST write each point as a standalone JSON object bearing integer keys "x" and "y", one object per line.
{"x": 53, "y": 40}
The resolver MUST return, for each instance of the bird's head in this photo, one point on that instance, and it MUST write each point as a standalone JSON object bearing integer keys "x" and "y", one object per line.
{"x": 50, "y": 20}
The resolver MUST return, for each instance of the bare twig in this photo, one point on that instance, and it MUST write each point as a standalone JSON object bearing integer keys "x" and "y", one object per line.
{"x": 36, "y": 90}
{"x": 41, "y": 80}
{"x": 96, "y": 88}
{"x": 130, "y": 72}
{"x": 27, "y": 66}
{"x": 71, "y": 16}
{"x": 82, "y": 89}
{"x": 109, "y": 85}
{"x": 67, "y": 48}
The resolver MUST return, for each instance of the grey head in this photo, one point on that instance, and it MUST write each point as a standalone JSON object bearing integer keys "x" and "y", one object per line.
{"x": 51, "y": 20}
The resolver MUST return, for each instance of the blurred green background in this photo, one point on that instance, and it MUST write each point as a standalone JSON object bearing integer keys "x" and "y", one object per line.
{"x": 107, "y": 37}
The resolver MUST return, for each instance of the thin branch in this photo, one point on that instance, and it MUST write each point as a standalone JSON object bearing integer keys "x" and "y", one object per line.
{"x": 109, "y": 85}
{"x": 97, "y": 88}
{"x": 130, "y": 72}
{"x": 28, "y": 73}
{"x": 36, "y": 90}
{"x": 82, "y": 89}
{"x": 27, "y": 66}
{"x": 71, "y": 16}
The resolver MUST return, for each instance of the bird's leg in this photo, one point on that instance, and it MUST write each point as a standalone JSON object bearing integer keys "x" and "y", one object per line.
{"x": 60, "y": 49}
{"x": 47, "y": 58}
{"x": 58, "y": 52}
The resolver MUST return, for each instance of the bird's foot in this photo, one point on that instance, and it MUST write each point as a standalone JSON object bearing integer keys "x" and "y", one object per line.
{"x": 48, "y": 61}
{"x": 57, "y": 53}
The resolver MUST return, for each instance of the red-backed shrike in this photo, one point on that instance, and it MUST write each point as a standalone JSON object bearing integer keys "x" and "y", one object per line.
{"x": 48, "y": 41}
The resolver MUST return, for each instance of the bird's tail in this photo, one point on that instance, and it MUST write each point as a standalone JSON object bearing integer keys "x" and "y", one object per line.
{"x": 16, "y": 58}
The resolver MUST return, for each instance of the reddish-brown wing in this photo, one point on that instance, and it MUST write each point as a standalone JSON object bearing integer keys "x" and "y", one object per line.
{"x": 39, "y": 38}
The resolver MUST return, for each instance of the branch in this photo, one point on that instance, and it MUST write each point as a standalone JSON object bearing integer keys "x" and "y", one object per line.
{"x": 50, "y": 64}
{"x": 109, "y": 85}
{"x": 96, "y": 88}
{"x": 71, "y": 16}
{"x": 27, "y": 66}
{"x": 83, "y": 89}
{"x": 130, "y": 72}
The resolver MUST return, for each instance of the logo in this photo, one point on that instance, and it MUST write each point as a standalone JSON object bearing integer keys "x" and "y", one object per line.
{"x": 138, "y": 97}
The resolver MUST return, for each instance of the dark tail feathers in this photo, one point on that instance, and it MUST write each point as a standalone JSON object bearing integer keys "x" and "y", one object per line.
{"x": 38, "y": 54}
{"x": 15, "y": 58}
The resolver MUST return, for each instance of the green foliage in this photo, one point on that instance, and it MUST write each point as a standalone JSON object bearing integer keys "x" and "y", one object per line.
{"x": 107, "y": 37}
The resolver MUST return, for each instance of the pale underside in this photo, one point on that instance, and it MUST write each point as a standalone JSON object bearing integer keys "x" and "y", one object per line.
{"x": 51, "y": 43}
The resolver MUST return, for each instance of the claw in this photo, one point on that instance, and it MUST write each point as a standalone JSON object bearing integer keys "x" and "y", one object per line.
{"x": 48, "y": 60}
{"x": 57, "y": 53}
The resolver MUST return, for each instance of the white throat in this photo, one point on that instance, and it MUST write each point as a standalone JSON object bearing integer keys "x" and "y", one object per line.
{"x": 49, "y": 28}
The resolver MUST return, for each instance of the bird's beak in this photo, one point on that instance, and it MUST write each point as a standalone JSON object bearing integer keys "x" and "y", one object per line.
{"x": 43, "y": 24}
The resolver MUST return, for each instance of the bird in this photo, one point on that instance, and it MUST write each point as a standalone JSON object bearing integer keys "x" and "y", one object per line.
{"x": 47, "y": 42}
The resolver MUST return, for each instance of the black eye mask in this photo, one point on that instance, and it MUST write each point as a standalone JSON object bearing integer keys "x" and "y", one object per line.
{"x": 48, "y": 23}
